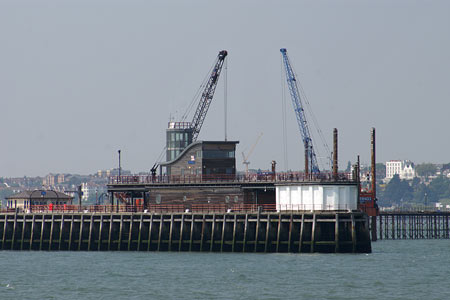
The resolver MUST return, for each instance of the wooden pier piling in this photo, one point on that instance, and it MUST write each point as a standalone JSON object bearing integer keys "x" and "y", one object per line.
{"x": 296, "y": 232}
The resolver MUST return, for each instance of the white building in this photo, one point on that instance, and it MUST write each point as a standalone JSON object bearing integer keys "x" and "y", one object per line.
{"x": 316, "y": 197}
{"x": 87, "y": 189}
{"x": 404, "y": 168}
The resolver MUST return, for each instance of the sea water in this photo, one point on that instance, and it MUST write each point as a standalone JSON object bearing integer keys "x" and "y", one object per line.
{"x": 400, "y": 269}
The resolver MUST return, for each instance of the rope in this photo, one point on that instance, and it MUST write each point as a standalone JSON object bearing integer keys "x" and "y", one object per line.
{"x": 317, "y": 127}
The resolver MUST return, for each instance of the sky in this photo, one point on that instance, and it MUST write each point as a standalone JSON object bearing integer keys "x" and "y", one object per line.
{"x": 82, "y": 79}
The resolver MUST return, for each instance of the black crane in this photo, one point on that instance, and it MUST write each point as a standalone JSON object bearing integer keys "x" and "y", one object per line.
{"x": 204, "y": 102}
{"x": 207, "y": 95}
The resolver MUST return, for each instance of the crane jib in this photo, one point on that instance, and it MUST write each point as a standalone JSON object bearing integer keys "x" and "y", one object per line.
{"x": 207, "y": 96}
{"x": 299, "y": 112}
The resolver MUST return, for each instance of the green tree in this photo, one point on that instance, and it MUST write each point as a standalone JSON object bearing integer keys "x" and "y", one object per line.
{"x": 426, "y": 169}
{"x": 439, "y": 188}
{"x": 380, "y": 171}
{"x": 397, "y": 191}
{"x": 419, "y": 191}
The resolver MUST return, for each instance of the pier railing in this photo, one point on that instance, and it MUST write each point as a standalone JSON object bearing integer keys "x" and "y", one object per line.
{"x": 413, "y": 209}
{"x": 178, "y": 208}
{"x": 228, "y": 178}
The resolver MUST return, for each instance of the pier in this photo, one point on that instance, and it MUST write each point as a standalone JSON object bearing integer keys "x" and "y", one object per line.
{"x": 412, "y": 225}
{"x": 261, "y": 232}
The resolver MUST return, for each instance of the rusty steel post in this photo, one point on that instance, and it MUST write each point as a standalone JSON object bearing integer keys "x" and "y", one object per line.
{"x": 80, "y": 194}
{"x": 358, "y": 181}
{"x": 335, "y": 154}
{"x": 372, "y": 146}
{"x": 274, "y": 166}
{"x": 374, "y": 181}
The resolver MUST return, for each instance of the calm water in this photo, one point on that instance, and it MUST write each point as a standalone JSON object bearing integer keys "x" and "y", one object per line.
{"x": 417, "y": 269}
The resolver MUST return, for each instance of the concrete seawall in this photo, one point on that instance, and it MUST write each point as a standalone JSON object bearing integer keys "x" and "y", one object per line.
{"x": 327, "y": 232}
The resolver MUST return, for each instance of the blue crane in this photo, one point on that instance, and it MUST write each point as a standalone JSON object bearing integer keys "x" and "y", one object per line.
{"x": 310, "y": 155}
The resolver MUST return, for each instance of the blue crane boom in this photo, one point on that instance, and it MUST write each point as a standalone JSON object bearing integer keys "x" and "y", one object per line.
{"x": 300, "y": 114}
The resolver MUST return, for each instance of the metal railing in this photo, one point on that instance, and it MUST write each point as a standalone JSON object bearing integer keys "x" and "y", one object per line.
{"x": 228, "y": 178}
{"x": 414, "y": 209}
{"x": 177, "y": 208}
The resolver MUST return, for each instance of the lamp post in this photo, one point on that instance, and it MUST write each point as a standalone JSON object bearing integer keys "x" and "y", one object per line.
{"x": 426, "y": 200}
{"x": 119, "y": 162}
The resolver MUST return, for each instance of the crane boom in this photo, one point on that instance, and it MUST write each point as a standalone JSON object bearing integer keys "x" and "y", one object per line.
{"x": 245, "y": 158}
{"x": 191, "y": 130}
{"x": 207, "y": 95}
{"x": 299, "y": 113}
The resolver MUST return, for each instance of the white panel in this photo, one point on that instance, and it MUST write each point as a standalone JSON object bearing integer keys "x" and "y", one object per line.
{"x": 296, "y": 198}
{"x": 307, "y": 197}
{"x": 343, "y": 197}
{"x": 284, "y": 197}
{"x": 317, "y": 197}
{"x": 353, "y": 198}
{"x": 330, "y": 197}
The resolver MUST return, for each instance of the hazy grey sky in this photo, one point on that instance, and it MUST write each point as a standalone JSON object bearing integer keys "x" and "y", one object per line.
{"x": 81, "y": 79}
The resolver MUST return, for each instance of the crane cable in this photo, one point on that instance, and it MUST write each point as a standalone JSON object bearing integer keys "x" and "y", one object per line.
{"x": 316, "y": 124}
{"x": 159, "y": 157}
{"x": 196, "y": 97}
{"x": 314, "y": 119}
{"x": 189, "y": 108}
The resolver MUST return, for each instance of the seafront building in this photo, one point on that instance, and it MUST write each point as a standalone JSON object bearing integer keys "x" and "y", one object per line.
{"x": 25, "y": 199}
{"x": 403, "y": 168}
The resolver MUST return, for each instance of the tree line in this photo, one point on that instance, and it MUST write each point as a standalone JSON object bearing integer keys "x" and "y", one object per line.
{"x": 398, "y": 192}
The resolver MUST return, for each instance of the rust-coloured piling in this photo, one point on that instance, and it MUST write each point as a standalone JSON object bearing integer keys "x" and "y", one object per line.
{"x": 374, "y": 180}
{"x": 373, "y": 169}
{"x": 335, "y": 154}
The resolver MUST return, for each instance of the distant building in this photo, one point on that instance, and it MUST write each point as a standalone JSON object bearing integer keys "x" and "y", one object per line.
{"x": 86, "y": 190}
{"x": 404, "y": 168}
{"x": 52, "y": 179}
{"x": 61, "y": 178}
{"x": 112, "y": 172}
{"x": 49, "y": 180}
{"x": 24, "y": 199}
{"x": 90, "y": 189}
